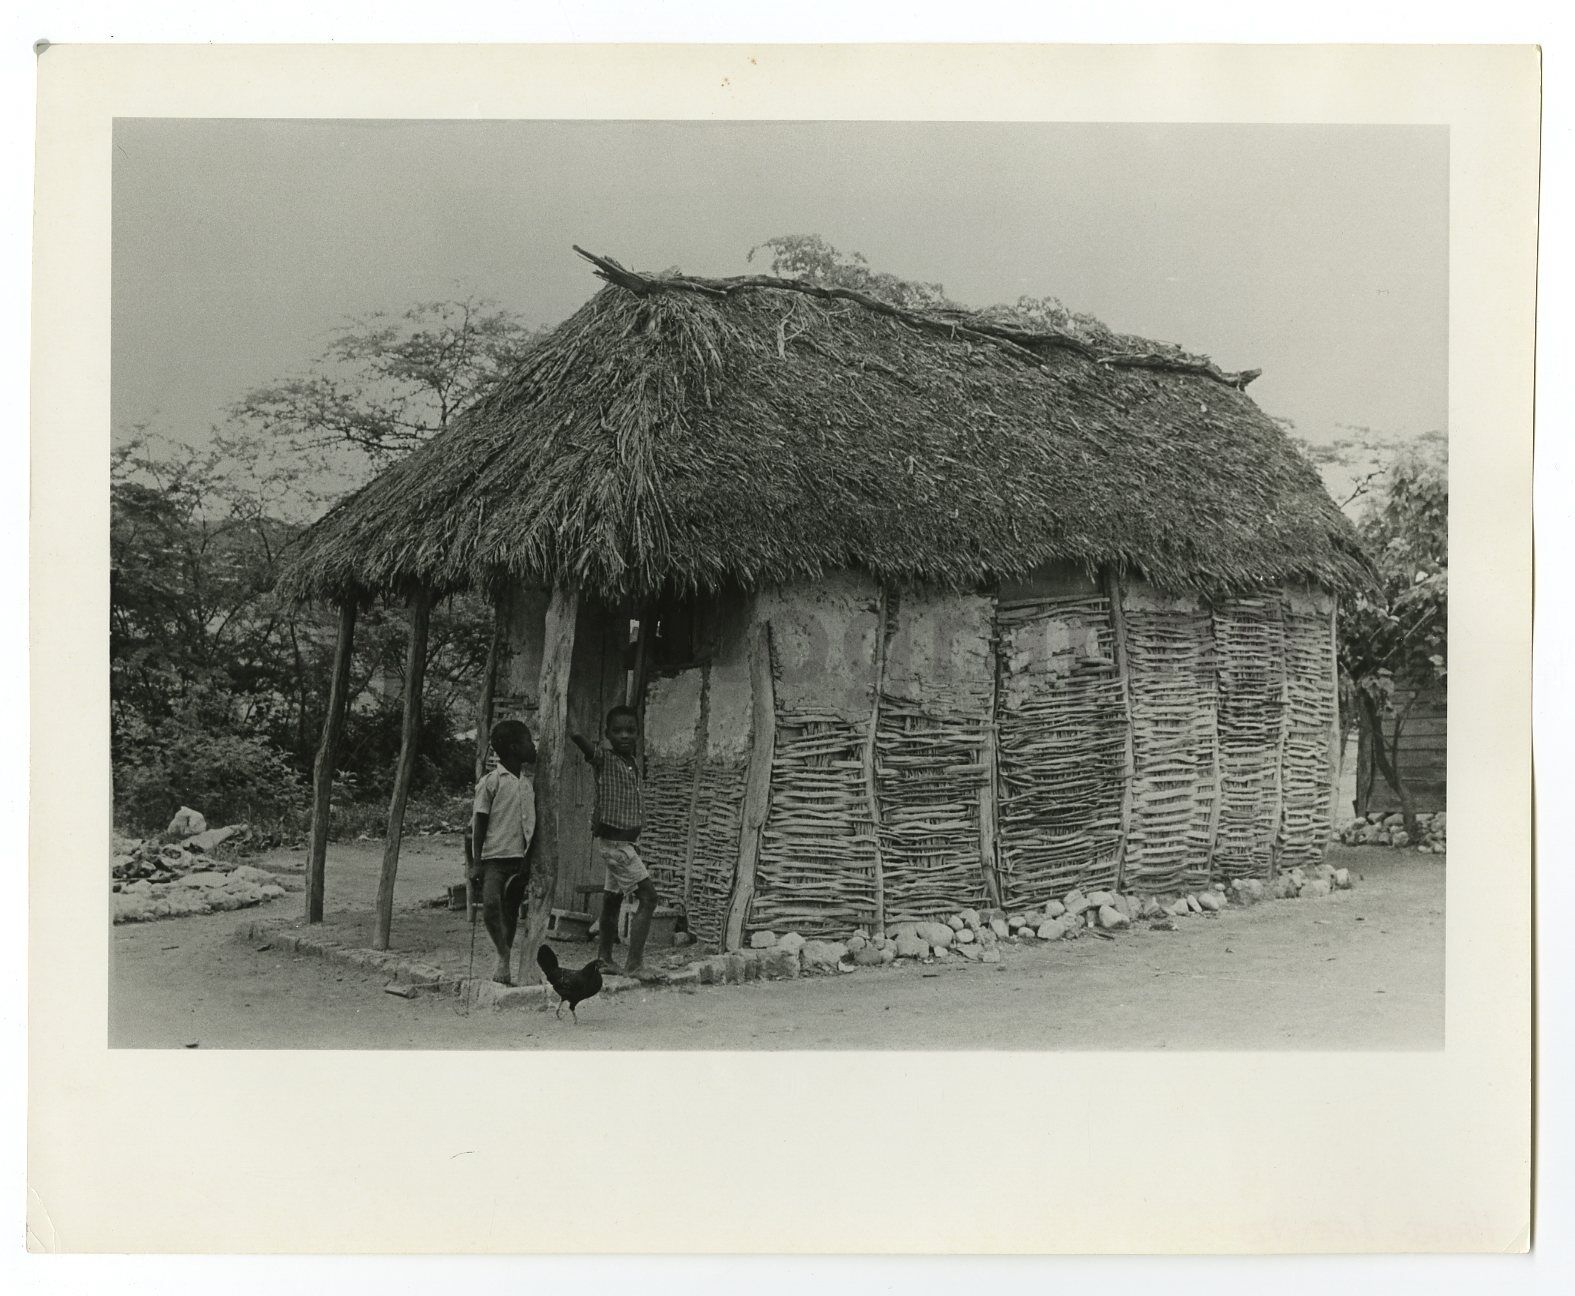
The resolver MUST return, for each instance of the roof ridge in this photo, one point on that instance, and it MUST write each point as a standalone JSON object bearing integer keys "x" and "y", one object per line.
{"x": 966, "y": 323}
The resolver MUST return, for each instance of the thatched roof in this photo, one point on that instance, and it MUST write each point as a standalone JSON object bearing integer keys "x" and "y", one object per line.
{"x": 678, "y": 433}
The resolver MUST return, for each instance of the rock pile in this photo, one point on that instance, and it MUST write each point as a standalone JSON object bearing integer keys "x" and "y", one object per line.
{"x": 195, "y": 893}
{"x": 157, "y": 859}
{"x": 1378, "y": 829}
{"x": 979, "y": 936}
{"x": 162, "y": 878}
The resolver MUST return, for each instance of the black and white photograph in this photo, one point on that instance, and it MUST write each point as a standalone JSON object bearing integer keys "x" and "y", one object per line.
{"x": 783, "y": 650}
{"x": 756, "y": 585}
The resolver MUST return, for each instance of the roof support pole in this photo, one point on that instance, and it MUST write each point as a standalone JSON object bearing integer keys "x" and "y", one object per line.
{"x": 757, "y": 784}
{"x": 563, "y": 611}
{"x": 409, "y": 737}
{"x": 1118, "y": 625}
{"x": 489, "y": 682}
{"x": 327, "y": 757}
{"x": 634, "y": 689}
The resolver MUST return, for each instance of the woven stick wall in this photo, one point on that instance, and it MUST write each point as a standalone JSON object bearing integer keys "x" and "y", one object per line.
{"x": 1249, "y": 644}
{"x": 817, "y": 857}
{"x": 816, "y": 873}
{"x": 673, "y": 742}
{"x": 719, "y": 805}
{"x": 1061, "y": 723}
{"x": 931, "y": 771}
{"x": 1170, "y": 662}
{"x": 1305, "y": 769}
{"x": 1203, "y": 829}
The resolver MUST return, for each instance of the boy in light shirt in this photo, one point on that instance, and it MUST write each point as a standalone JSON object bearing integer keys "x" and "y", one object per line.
{"x": 505, "y": 821}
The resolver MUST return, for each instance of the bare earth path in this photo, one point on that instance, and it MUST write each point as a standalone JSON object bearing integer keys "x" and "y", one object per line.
{"x": 1363, "y": 969}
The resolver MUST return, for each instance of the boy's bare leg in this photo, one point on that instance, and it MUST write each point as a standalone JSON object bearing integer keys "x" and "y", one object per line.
{"x": 640, "y": 925}
{"x": 492, "y": 906}
{"x": 612, "y": 902}
{"x": 513, "y": 899}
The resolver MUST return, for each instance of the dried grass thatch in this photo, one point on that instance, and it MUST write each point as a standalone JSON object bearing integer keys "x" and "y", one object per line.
{"x": 690, "y": 434}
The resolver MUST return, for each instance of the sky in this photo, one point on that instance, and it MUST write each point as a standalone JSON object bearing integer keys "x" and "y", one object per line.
{"x": 1316, "y": 253}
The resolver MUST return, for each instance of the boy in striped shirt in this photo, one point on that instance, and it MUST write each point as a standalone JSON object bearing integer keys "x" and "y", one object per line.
{"x": 615, "y": 828}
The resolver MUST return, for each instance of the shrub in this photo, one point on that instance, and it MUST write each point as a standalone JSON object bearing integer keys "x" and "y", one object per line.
{"x": 227, "y": 774}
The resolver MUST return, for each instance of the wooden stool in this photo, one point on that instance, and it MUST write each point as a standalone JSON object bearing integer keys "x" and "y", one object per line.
{"x": 587, "y": 897}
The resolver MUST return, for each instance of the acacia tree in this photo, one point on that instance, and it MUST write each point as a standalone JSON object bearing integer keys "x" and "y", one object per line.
{"x": 218, "y": 687}
{"x": 1395, "y": 638}
{"x": 387, "y": 382}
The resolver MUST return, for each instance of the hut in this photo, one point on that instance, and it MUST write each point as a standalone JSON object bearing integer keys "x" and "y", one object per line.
{"x": 933, "y": 609}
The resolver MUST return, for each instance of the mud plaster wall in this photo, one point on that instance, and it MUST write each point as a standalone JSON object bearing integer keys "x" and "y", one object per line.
{"x": 823, "y": 645}
{"x": 931, "y": 761}
{"x": 1233, "y": 700}
{"x": 816, "y": 867}
{"x": 717, "y": 796}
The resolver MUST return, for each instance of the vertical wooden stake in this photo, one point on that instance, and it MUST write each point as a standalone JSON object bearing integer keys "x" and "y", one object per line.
{"x": 563, "y": 611}
{"x": 702, "y": 743}
{"x": 1336, "y": 744}
{"x": 871, "y": 775}
{"x": 1118, "y": 625}
{"x": 1277, "y": 808}
{"x": 757, "y": 786}
{"x": 989, "y": 848}
{"x": 327, "y": 755}
{"x": 409, "y": 736}
{"x": 1219, "y": 771}
{"x": 489, "y": 683}
{"x": 634, "y": 692}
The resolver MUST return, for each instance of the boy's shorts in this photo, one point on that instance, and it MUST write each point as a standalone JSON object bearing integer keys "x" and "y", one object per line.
{"x": 622, "y": 867}
{"x": 513, "y": 872}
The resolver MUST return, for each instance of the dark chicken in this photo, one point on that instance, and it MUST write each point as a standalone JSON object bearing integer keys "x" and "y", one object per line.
{"x": 573, "y": 988}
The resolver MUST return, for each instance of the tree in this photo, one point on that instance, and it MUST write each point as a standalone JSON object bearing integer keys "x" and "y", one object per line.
{"x": 811, "y": 258}
{"x": 1396, "y": 637}
{"x": 1354, "y": 463}
{"x": 386, "y": 383}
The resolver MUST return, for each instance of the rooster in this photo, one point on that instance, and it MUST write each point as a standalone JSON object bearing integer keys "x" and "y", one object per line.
{"x": 573, "y": 988}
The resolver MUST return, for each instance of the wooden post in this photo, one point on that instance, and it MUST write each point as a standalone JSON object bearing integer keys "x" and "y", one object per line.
{"x": 989, "y": 847}
{"x": 871, "y": 777}
{"x": 1118, "y": 625}
{"x": 489, "y": 683}
{"x": 1219, "y": 777}
{"x": 409, "y": 736}
{"x": 1277, "y": 810}
{"x": 327, "y": 754}
{"x": 634, "y": 692}
{"x": 553, "y": 716}
{"x": 757, "y": 786}
{"x": 702, "y": 744}
{"x": 1336, "y": 734}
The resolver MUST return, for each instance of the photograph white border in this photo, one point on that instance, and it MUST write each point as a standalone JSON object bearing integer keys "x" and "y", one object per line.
{"x": 1139, "y": 1152}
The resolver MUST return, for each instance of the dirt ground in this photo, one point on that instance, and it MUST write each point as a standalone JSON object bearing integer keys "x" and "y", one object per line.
{"x": 1363, "y": 969}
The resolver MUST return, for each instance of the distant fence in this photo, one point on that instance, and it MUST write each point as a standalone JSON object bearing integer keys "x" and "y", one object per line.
{"x": 1420, "y": 759}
